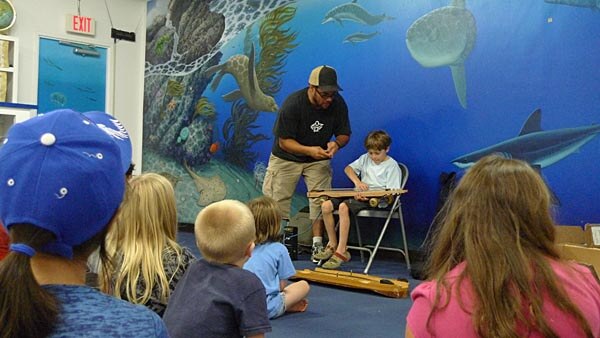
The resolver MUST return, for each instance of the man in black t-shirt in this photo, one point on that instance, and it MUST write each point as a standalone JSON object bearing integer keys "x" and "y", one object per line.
{"x": 303, "y": 145}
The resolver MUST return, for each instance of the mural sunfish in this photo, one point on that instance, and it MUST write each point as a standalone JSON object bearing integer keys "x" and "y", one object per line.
{"x": 241, "y": 67}
{"x": 445, "y": 37}
{"x": 534, "y": 145}
{"x": 594, "y": 4}
{"x": 353, "y": 12}
{"x": 359, "y": 37}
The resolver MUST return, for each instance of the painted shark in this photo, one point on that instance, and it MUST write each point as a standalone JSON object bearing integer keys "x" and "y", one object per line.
{"x": 593, "y": 4}
{"x": 538, "y": 147}
{"x": 241, "y": 67}
{"x": 352, "y": 11}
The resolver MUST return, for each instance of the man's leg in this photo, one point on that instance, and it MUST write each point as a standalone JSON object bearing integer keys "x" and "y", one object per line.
{"x": 317, "y": 175}
{"x": 327, "y": 208}
{"x": 280, "y": 182}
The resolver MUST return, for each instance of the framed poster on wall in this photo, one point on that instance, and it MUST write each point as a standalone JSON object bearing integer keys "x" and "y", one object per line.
{"x": 71, "y": 75}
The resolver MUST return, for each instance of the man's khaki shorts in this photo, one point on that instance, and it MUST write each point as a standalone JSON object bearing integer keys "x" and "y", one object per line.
{"x": 282, "y": 177}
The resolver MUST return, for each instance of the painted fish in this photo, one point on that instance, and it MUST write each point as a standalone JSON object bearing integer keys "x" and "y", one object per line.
{"x": 359, "y": 37}
{"x": 353, "y": 12}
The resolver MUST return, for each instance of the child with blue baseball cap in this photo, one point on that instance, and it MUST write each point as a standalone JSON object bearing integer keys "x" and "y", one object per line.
{"x": 61, "y": 184}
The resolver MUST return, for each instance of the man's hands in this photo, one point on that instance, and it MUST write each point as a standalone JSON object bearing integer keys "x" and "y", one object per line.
{"x": 316, "y": 152}
{"x": 319, "y": 153}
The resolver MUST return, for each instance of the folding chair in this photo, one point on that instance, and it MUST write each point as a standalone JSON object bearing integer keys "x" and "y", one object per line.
{"x": 395, "y": 212}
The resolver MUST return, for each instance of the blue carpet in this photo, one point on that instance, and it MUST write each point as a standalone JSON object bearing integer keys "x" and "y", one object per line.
{"x": 341, "y": 312}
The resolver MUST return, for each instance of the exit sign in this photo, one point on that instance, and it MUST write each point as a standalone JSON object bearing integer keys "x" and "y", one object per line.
{"x": 81, "y": 25}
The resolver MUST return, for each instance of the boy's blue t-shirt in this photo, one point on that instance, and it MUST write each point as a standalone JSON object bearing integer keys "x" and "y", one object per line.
{"x": 85, "y": 312}
{"x": 271, "y": 262}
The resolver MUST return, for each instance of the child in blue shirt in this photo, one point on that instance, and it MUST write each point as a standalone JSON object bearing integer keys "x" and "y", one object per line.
{"x": 373, "y": 170}
{"x": 271, "y": 262}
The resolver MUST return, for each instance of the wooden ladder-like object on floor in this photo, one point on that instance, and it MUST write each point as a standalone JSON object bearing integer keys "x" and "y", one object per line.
{"x": 385, "y": 286}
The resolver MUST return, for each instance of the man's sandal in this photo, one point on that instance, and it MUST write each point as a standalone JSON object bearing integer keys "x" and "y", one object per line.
{"x": 325, "y": 254}
{"x": 336, "y": 260}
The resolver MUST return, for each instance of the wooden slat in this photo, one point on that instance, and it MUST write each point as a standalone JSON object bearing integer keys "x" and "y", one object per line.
{"x": 384, "y": 286}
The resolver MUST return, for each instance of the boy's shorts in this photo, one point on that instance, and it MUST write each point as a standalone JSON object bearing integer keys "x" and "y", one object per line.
{"x": 353, "y": 205}
{"x": 281, "y": 309}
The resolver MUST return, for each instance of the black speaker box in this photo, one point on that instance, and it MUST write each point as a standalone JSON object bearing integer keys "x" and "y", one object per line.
{"x": 290, "y": 240}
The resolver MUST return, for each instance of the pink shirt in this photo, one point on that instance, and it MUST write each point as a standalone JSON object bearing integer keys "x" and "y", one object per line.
{"x": 582, "y": 288}
{"x": 4, "y": 242}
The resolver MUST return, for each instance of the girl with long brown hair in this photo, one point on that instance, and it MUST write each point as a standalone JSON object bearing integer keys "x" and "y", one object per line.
{"x": 495, "y": 270}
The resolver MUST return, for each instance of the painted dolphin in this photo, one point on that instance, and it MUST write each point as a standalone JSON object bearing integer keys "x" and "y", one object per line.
{"x": 594, "y": 4}
{"x": 534, "y": 145}
{"x": 242, "y": 69}
{"x": 445, "y": 37}
{"x": 351, "y": 11}
{"x": 359, "y": 37}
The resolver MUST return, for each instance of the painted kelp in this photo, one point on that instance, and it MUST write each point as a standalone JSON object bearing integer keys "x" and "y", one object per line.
{"x": 276, "y": 43}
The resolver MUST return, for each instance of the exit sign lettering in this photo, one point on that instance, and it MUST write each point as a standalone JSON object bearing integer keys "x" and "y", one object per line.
{"x": 81, "y": 25}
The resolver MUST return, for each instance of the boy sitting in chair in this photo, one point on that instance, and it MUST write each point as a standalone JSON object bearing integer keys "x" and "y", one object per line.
{"x": 374, "y": 170}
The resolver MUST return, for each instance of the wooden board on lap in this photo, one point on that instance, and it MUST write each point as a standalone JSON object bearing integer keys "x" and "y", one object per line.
{"x": 377, "y": 198}
{"x": 350, "y": 192}
{"x": 385, "y": 286}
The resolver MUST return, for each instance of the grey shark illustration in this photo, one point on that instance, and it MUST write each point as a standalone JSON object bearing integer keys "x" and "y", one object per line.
{"x": 359, "y": 37}
{"x": 593, "y": 4}
{"x": 445, "y": 37}
{"x": 352, "y": 11}
{"x": 537, "y": 147}
{"x": 241, "y": 67}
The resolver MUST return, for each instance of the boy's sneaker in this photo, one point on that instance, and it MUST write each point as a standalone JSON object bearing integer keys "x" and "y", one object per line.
{"x": 316, "y": 248}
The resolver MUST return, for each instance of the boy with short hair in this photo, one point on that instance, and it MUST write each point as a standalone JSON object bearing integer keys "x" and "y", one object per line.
{"x": 373, "y": 170}
{"x": 216, "y": 297}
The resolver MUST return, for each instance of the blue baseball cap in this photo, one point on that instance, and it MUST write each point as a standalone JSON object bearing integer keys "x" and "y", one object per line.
{"x": 117, "y": 131}
{"x": 63, "y": 173}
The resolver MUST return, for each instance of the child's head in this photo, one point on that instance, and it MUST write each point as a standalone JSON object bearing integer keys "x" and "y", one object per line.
{"x": 224, "y": 230}
{"x": 267, "y": 219}
{"x": 149, "y": 213}
{"x": 145, "y": 228}
{"x": 62, "y": 173}
{"x": 378, "y": 140}
{"x": 378, "y": 144}
{"x": 499, "y": 204}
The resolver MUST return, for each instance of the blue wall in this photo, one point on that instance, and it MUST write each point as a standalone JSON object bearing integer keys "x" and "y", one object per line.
{"x": 527, "y": 55}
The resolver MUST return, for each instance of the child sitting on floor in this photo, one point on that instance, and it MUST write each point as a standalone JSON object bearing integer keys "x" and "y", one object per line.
{"x": 143, "y": 242}
{"x": 271, "y": 262}
{"x": 373, "y": 170}
{"x": 216, "y": 297}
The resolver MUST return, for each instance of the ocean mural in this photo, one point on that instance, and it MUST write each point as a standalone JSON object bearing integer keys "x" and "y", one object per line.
{"x": 68, "y": 79}
{"x": 217, "y": 71}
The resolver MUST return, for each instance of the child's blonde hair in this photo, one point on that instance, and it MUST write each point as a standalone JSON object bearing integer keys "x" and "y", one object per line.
{"x": 146, "y": 227}
{"x": 267, "y": 219}
{"x": 223, "y": 230}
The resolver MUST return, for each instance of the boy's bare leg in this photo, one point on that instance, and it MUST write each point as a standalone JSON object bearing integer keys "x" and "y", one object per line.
{"x": 344, "y": 214}
{"x": 295, "y": 294}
